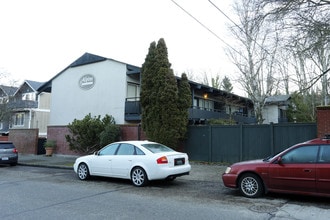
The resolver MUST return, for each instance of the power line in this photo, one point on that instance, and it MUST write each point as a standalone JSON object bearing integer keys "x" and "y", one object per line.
{"x": 204, "y": 26}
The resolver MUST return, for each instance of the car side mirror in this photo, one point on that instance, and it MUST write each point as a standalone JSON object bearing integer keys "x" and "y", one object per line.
{"x": 279, "y": 160}
{"x": 96, "y": 153}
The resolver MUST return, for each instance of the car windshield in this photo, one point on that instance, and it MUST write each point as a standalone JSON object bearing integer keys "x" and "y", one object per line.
{"x": 269, "y": 158}
{"x": 157, "y": 148}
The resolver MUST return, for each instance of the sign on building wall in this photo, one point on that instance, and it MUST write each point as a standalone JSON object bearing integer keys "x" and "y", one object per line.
{"x": 87, "y": 81}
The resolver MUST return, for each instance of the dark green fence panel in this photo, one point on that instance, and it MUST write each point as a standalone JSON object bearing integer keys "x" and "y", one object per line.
{"x": 224, "y": 143}
{"x": 198, "y": 145}
{"x": 256, "y": 142}
{"x": 233, "y": 143}
{"x": 286, "y": 135}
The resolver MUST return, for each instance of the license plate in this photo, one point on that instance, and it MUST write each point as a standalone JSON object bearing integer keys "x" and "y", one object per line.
{"x": 179, "y": 161}
{"x": 4, "y": 158}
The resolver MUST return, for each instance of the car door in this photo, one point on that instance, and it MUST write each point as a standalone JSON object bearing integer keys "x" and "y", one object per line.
{"x": 295, "y": 170}
{"x": 122, "y": 161}
{"x": 323, "y": 170}
{"x": 101, "y": 163}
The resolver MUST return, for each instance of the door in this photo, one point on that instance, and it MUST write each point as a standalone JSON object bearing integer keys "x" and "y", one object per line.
{"x": 122, "y": 161}
{"x": 323, "y": 170}
{"x": 296, "y": 170}
{"x": 102, "y": 161}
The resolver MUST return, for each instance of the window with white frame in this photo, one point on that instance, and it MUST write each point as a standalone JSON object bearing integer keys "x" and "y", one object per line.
{"x": 133, "y": 92}
{"x": 31, "y": 96}
{"x": 19, "y": 119}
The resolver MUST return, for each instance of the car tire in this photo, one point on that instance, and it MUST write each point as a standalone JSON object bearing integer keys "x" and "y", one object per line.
{"x": 139, "y": 177}
{"x": 250, "y": 185}
{"x": 83, "y": 171}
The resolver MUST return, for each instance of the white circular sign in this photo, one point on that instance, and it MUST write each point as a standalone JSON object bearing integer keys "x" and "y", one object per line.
{"x": 87, "y": 81}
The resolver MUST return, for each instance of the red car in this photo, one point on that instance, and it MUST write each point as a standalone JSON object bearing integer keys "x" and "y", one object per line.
{"x": 301, "y": 169}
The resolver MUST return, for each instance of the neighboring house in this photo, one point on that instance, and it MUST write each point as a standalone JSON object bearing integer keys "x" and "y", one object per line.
{"x": 29, "y": 108}
{"x": 275, "y": 109}
{"x": 6, "y": 92}
{"x": 98, "y": 85}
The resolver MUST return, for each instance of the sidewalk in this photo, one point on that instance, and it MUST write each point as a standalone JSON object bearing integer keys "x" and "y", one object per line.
{"x": 55, "y": 161}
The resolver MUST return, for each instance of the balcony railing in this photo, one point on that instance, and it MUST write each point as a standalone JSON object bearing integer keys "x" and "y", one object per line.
{"x": 132, "y": 110}
{"x": 22, "y": 104}
{"x": 133, "y": 113}
{"x": 198, "y": 114}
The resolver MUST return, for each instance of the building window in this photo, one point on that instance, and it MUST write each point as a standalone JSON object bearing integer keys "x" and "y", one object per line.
{"x": 133, "y": 92}
{"x": 29, "y": 96}
{"x": 19, "y": 119}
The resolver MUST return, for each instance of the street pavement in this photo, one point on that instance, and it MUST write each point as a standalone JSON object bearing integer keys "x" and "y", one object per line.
{"x": 200, "y": 172}
{"x": 54, "y": 161}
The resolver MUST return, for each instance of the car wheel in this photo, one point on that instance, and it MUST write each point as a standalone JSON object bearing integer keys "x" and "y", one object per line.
{"x": 83, "y": 172}
{"x": 139, "y": 177}
{"x": 251, "y": 186}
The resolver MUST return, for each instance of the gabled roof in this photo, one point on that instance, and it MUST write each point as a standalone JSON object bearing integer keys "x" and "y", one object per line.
{"x": 34, "y": 85}
{"x": 86, "y": 58}
{"x": 277, "y": 99}
{"x": 8, "y": 90}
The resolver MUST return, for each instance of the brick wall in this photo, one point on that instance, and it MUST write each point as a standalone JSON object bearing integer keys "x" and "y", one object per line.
{"x": 128, "y": 132}
{"x": 4, "y": 138}
{"x": 58, "y": 133}
{"x": 25, "y": 140}
{"x": 323, "y": 120}
{"x": 132, "y": 132}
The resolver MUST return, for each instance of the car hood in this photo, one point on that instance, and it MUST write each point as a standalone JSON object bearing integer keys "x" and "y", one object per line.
{"x": 87, "y": 157}
{"x": 248, "y": 162}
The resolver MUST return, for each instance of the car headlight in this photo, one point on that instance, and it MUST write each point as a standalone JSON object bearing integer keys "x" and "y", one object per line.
{"x": 228, "y": 169}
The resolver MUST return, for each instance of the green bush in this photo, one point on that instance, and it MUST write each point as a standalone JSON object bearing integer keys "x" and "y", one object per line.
{"x": 92, "y": 133}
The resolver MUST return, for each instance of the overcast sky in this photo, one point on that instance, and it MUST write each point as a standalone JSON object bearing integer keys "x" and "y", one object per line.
{"x": 39, "y": 38}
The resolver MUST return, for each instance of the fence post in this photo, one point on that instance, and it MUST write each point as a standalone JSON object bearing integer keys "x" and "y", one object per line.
{"x": 272, "y": 145}
{"x": 241, "y": 142}
{"x": 210, "y": 143}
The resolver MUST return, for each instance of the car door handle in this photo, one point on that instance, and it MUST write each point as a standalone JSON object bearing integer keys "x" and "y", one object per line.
{"x": 307, "y": 170}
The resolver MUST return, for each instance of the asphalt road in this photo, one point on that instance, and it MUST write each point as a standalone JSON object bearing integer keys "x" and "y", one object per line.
{"x": 48, "y": 193}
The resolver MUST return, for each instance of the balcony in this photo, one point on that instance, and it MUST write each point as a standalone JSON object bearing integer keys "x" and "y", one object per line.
{"x": 132, "y": 110}
{"x": 133, "y": 113}
{"x": 22, "y": 104}
{"x": 202, "y": 114}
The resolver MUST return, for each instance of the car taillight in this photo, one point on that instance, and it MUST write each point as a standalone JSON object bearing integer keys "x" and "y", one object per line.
{"x": 162, "y": 160}
{"x": 15, "y": 151}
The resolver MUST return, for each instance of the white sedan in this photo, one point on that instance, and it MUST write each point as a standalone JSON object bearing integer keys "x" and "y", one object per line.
{"x": 139, "y": 161}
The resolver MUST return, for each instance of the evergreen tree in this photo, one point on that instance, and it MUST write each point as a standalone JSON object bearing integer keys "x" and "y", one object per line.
{"x": 159, "y": 97}
{"x": 301, "y": 108}
{"x": 226, "y": 84}
{"x": 184, "y": 104}
{"x": 148, "y": 94}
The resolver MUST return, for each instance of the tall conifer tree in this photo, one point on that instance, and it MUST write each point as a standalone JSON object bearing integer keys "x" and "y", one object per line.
{"x": 161, "y": 108}
{"x": 184, "y": 104}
